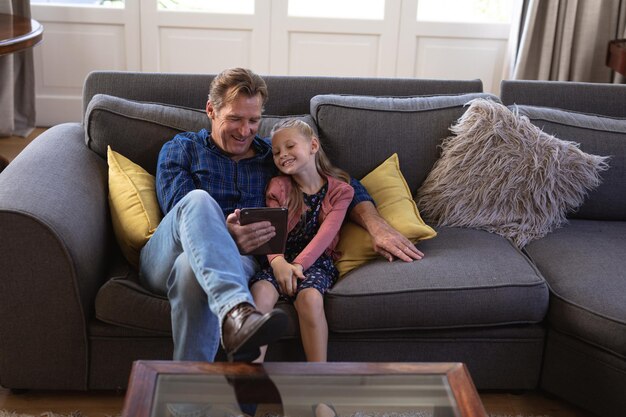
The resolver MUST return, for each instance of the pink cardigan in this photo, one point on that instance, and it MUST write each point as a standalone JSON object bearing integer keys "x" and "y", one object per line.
{"x": 333, "y": 211}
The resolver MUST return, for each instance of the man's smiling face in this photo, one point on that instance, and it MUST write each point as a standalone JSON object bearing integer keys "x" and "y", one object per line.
{"x": 234, "y": 126}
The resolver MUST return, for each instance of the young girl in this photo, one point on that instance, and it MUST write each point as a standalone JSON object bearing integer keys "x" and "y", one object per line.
{"x": 317, "y": 196}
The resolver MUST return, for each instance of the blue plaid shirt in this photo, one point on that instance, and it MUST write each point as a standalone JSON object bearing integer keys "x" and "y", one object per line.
{"x": 192, "y": 161}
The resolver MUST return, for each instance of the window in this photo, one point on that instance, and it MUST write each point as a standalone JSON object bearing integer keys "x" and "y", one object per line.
{"x": 473, "y": 11}
{"x": 103, "y": 3}
{"x": 211, "y": 6}
{"x": 341, "y": 9}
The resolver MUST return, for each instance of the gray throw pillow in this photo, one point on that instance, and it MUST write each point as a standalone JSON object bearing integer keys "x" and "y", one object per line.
{"x": 360, "y": 132}
{"x": 502, "y": 174}
{"x": 138, "y": 129}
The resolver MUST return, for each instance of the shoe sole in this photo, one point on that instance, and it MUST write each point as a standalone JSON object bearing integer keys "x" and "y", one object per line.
{"x": 270, "y": 329}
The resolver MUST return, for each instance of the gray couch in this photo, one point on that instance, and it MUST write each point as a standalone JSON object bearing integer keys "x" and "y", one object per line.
{"x": 73, "y": 315}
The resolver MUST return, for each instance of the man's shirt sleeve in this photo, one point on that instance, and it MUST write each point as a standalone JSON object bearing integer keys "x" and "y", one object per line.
{"x": 360, "y": 194}
{"x": 173, "y": 179}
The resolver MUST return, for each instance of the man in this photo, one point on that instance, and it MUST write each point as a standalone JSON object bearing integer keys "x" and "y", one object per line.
{"x": 197, "y": 257}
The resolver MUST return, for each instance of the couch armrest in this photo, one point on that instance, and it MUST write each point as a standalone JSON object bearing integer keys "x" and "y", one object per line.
{"x": 54, "y": 236}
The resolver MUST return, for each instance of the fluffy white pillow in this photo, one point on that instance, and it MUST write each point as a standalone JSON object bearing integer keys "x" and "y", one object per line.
{"x": 502, "y": 174}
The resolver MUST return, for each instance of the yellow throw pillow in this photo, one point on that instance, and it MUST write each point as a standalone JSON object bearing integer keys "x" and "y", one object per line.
{"x": 135, "y": 211}
{"x": 395, "y": 204}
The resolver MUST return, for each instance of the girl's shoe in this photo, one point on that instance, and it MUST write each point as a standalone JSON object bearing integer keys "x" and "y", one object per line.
{"x": 324, "y": 410}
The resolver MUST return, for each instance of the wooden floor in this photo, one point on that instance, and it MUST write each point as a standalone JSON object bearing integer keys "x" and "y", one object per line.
{"x": 11, "y": 146}
{"x": 102, "y": 404}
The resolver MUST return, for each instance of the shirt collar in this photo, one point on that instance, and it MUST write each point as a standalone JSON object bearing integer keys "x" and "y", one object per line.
{"x": 262, "y": 147}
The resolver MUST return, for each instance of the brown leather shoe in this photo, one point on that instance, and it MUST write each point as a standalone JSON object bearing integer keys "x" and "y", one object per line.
{"x": 245, "y": 329}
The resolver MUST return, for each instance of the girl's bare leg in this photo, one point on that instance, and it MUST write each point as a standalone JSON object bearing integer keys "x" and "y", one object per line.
{"x": 265, "y": 297}
{"x": 313, "y": 326}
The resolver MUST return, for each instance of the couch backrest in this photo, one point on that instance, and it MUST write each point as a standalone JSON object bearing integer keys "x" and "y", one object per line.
{"x": 287, "y": 94}
{"x": 136, "y": 113}
{"x": 597, "y": 98}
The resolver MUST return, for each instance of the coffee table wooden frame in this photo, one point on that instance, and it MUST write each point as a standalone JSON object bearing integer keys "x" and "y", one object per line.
{"x": 144, "y": 376}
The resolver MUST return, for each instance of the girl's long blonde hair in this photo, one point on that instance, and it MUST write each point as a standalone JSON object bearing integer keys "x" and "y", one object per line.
{"x": 325, "y": 168}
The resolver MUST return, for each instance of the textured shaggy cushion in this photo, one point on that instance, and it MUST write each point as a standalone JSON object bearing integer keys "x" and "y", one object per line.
{"x": 395, "y": 204}
{"x": 135, "y": 212}
{"x": 596, "y": 134}
{"x": 502, "y": 174}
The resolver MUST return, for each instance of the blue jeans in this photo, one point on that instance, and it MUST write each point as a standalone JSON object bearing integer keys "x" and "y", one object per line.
{"x": 193, "y": 260}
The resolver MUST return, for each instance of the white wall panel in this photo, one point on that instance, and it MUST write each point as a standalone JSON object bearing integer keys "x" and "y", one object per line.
{"x": 92, "y": 47}
{"x": 334, "y": 46}
{"x": 455, "y": 58}
{"x": 76, "y": 41}
{"x": 333, "y": 54}
{"x": 202, "y": 42}
{"x": 69, "y": 52}
{"x": 213, "y": 50}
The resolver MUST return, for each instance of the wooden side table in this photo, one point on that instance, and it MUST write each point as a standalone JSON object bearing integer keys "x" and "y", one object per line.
{"x": 18, "y": 33}
{"x": 616, "y": 56}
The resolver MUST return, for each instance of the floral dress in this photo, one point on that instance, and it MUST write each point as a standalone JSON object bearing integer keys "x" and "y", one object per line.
{"x": 322, "y": 274}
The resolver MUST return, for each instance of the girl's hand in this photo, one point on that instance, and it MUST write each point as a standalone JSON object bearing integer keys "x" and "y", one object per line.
{"x": 287, "y": 275}
{"x": 298, "y": 271}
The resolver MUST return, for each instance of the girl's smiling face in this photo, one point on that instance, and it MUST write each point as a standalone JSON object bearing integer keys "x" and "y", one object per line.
{"x": 293, "y": 152}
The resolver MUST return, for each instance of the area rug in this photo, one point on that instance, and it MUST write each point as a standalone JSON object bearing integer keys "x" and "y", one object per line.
{"x": 5, "y": 413}
{"x": 415, "y": 414}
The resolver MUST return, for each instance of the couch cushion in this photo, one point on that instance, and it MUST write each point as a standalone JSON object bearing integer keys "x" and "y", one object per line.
{"x": 124, "y": 302}
{"x": 451, "y": 288}
{"x": 138, "y": 129}
{"x": 395, "y": 204}
{"x": 585, "y": 267}
{"x": 468, "y": 278}
{"x": 135, "y": 129}
{"x": 412, "y": 127}
{"x": 135, "y": 211}
{"x": 597, "y": 135}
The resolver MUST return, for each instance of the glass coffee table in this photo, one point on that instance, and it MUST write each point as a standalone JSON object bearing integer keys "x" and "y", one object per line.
{"x": 198, "y": 389}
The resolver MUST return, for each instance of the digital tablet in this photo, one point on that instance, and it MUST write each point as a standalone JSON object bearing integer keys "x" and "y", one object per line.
{"x": 275, "y": 215}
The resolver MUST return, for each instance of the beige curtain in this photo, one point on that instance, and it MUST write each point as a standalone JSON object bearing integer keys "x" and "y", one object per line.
{"x": 17, "y": 89}
{"x": 621, "y": 30}
{"x": 566, "y": 40}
